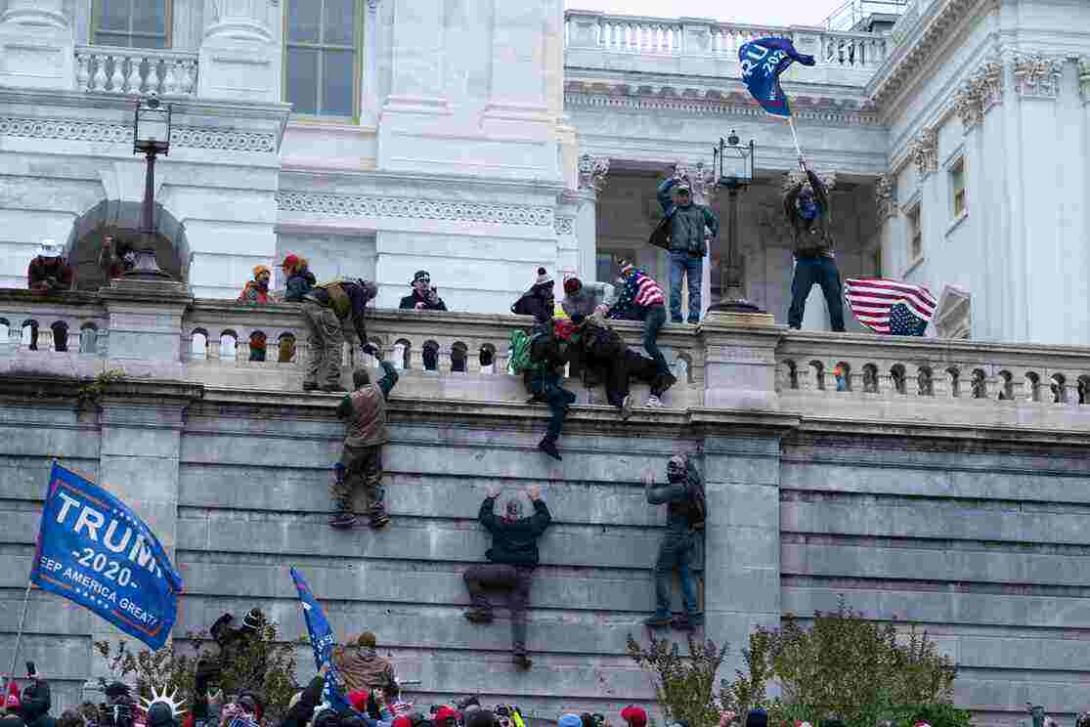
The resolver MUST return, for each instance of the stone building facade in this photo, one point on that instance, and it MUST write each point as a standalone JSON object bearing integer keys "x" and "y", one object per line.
{"x": 479, "y": 140}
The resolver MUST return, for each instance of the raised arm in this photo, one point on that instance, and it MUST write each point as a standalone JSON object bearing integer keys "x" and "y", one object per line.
{"x": 389, "y": 379}
{"x": 821, "y": 194}
{"x": 659, "y": 494}
{"x": 665, "y": 201}
{"x": 541, "y": 517}
{"x": 486, "y": 515}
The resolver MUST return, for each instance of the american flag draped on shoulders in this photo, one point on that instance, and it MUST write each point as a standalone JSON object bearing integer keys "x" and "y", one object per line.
{"x": 890, "y": 306}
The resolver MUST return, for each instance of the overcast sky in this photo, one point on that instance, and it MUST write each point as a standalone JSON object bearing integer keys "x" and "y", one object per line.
{"x": 777, "y": 12}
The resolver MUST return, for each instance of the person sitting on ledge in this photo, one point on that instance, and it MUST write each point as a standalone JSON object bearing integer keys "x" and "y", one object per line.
{"x": 642, "y": 298}
{"x": 539, "y": 301}
{"x": 605, "y": 354}
{"x": 256, "y": 290}
{"x": 298, "y": 280}
{"x": 364, "y": 412}
{"x": 425, "y": 296}
{"x": 511, "y": 562}
{"x": 49, "y": 271}
{"x": 326, "y": 308}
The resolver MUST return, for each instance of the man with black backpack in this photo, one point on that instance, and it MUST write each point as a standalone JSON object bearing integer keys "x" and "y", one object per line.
{"x": 683, "y": 496}
{"x": 540, "y": 358}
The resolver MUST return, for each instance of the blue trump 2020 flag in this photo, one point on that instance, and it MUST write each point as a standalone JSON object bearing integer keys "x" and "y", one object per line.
{"x": 322, "y": 641}
{"x": 763, "y": 60}
{"x": 93, "y": 550}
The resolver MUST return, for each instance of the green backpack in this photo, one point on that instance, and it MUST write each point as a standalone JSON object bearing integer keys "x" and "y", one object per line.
{"x": 520, "y": 352}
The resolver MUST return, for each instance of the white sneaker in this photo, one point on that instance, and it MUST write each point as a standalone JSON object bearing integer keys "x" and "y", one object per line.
{"x": 654, "y": 402}
{"x": 626, "y": 407}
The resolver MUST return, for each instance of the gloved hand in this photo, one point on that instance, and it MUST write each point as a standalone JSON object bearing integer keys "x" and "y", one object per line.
{"x": 370, "y": 349}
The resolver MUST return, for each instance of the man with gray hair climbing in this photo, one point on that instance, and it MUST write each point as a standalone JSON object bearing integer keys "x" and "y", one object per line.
{"x": 683, "y": 495}
{"x": 512, "y": 559}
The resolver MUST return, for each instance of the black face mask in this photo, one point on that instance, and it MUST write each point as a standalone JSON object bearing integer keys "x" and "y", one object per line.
{"x": 675, "y": 475}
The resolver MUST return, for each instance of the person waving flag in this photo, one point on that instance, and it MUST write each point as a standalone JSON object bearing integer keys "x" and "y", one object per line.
{"x": 763, "y": 60}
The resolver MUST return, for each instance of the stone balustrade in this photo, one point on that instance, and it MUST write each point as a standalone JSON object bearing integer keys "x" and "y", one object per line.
{"x": 135, "y": 71}
{"x": 704, "y": 39}
{"x": 464, "y": 356}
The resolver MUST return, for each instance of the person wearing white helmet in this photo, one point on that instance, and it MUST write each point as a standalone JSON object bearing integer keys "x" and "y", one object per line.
{"x": 49, "y": 272}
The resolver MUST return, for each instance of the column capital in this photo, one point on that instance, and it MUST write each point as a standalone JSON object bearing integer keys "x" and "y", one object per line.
{"x": 885, "y": 196}
{"x": 592, "y": 172}
{"x": 1037, "y": 76}
{"x": 969, "y": 106}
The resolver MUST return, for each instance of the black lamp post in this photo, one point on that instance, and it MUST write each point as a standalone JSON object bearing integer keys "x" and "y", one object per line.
{"x": 151, "y": 137}
{"x": 732, "y": 165}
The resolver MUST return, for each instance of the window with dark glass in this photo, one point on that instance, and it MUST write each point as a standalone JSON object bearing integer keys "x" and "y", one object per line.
{"x": 131, "y": 23}
{"x": 322, "y": 56}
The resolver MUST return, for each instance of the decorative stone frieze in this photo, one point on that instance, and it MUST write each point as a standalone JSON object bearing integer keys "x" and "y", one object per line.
{"x": 1037, "y": 76}
{"x": 592, "y": 172}
{"x": 402, "y": 207}
{"x": 925, "y": 152}
{"x": 565, "y": 226}
{"x": 885, "y": 197}
{"x": 194, "y": 137}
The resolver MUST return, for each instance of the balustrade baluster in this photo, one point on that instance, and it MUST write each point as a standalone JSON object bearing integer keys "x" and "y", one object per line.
{"x": 154, "y": 81}
{"x": 188, "y": 76}
{"x": 132, "y": 78}
{"x": 117, "y": 78}
{"x": 98, "y": 80}
{"x": 170, "y": 84}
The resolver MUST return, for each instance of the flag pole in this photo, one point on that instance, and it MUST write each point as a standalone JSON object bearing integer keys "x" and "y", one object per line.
{"x": 22, "y": 623}
{"x": 795, "y": 136}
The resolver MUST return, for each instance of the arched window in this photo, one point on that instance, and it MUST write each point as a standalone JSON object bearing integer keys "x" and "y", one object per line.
{"x": 88, "y": 338}
{"x": 228, "y": 345}
{"x": 819, "y": 374}
{"x": 5, "y": 331}
{"x": 286, "y": 346}
{"x": 198, "y": 348}
{"x": 430, "y": 355}
{"x": 258, "y": 342}
{"x": 792, "y": 374}
{"x": 1058, "y": 386}
{"x": 1006, "y": 386}
{"x": 955, "y": 381}
{"x": 29, "y": 337}
{"x": 870, "y": 378}
{"x": 487, "y": 358}
{"x": 979, "y": 384}
{"x": 403, "y": 352}
{"x": 897, "y": 376}
{"x": 925, "y": 382}
{"x": 842, "y": 373}
{"x": 1033, "y": 386}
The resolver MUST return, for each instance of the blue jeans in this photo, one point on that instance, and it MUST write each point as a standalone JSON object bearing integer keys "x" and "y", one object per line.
{"x": 683, "y": 265}
{"x": 675, "y": 552}
{"x": 653, "y": 322}
{"x": 811, "y": 271}
{"x": 557, "y": 398}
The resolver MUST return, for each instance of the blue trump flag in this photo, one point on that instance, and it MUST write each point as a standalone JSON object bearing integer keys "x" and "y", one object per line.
{"x": 322, "y": 640}
{"x": 93, "y": 550}
{"x": 763, "y": 60}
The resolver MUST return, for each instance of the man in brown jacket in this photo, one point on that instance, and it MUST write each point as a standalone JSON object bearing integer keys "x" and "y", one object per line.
{"x": 364, "y": 412}
{"x": 361, "y": 666}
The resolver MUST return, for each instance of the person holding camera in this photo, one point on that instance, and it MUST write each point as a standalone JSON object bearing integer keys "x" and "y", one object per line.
{"x": 425, "y": 296}
{"x": 34, "y": 702}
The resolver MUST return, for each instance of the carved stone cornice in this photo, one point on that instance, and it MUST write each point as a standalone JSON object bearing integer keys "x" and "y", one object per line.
{"x": 1037, "y": 76}
{"x": 194, "y": 137}
{"x": 885, "y": 197}
{"x": 711, "y": 102}
{"x": 924, "y": 151}
{"x": 592, "y": 172}
{"x": 988, "y": 82}
{"x": 918, "y": 48}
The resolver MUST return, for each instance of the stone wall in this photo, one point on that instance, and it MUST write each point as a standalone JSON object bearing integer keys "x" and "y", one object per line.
{"x": 950, "y": 501}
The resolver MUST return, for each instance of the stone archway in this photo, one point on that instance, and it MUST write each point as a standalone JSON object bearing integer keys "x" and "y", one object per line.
{"x": 121, "y": 220}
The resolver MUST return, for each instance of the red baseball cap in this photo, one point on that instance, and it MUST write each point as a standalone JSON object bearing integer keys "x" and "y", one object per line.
{"x": 358, "y": 699}
{"x": 635, "y": 716}
{"x": 445, "y": 713}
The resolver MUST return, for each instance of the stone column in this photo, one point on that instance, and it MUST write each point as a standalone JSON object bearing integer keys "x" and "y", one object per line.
{"x": 369, "y": 106}
{"x": 239, "y": 56}
{"x": 742, "y": 471}
{"x": 145, "y": 327}
{"x": 592, "y": 178}
{"x": 37, "y": 47}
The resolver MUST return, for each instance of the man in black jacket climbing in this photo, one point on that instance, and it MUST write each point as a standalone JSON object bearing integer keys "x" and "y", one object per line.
{"x": 512, "y": 559}
{"x": 683, "y": 495}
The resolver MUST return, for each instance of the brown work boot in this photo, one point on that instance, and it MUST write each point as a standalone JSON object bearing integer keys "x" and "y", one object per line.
{"x": 379, "y": 520}
{"x": 343, "y": 520}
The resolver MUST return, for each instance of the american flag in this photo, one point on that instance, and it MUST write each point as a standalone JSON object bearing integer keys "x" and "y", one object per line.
{"x": 890, "y": 306}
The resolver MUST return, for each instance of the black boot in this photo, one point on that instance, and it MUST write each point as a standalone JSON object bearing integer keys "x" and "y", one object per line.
{"x": 522, "y": 661}
{"x": 343, "y": 517}
{"x": 548, "y": 446}
{"x": 478, "y": 615}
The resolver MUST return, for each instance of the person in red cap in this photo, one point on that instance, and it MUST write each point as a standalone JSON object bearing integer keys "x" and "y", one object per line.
{"x": 634, "y": 716}
{"x": 445, "y": 716}
{"x": 298, "y": 278}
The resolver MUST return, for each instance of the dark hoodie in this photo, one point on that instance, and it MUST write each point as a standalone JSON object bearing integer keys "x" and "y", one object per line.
{"x": 36, "y": 702}
{"x": 514, "y": 541}
{"x": 538, "y": 302}
{"x": 300, "y": 714}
